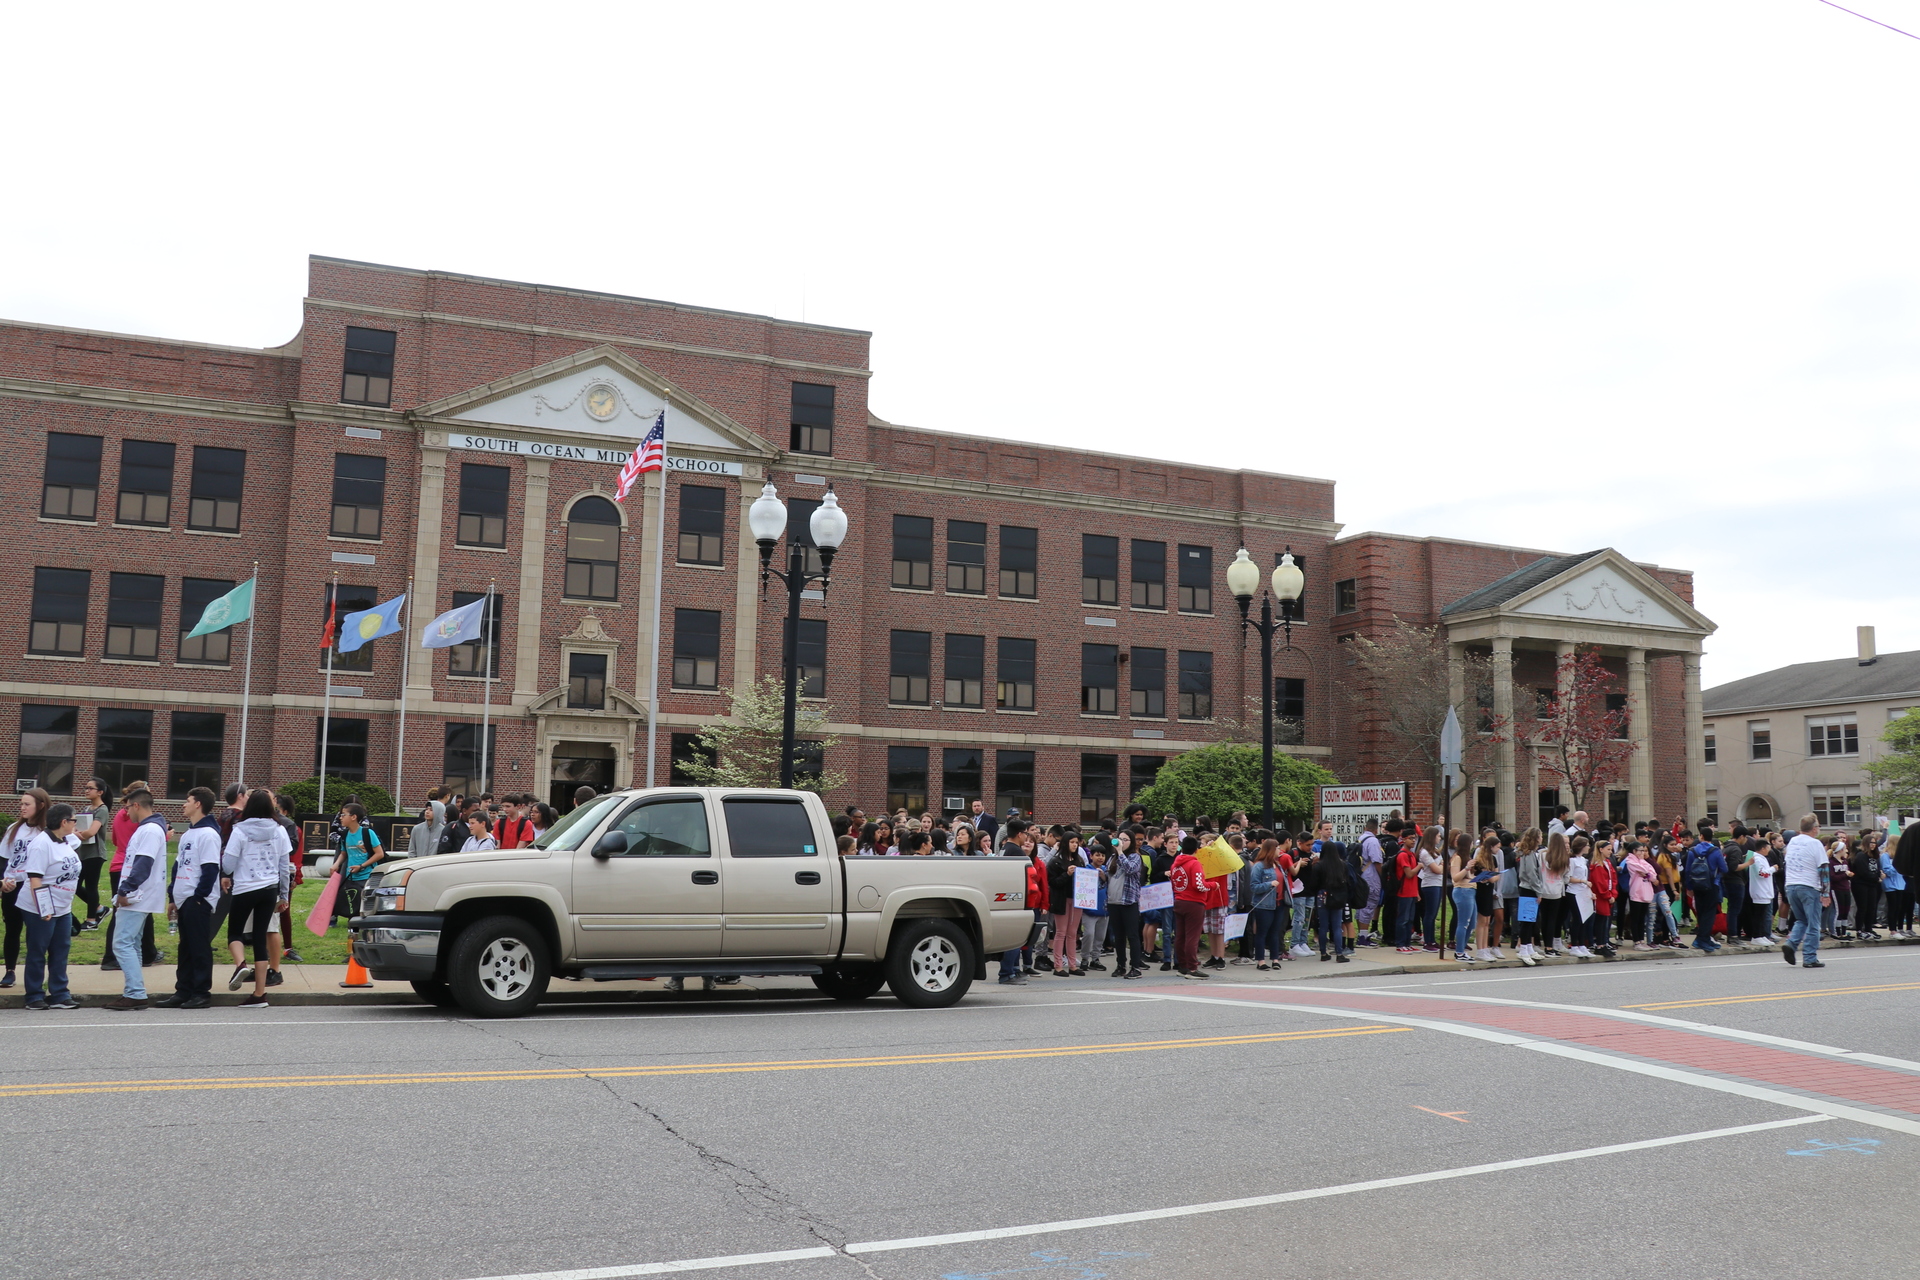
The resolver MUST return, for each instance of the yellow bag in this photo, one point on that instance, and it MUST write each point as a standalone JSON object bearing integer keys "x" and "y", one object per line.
{"x": 1219, "y": 859}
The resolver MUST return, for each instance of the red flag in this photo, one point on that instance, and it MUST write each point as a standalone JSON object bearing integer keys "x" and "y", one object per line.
{"x": 326, "y": 637}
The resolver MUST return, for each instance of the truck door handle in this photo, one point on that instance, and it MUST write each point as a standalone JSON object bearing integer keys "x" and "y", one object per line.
{"x": 806, "y": 877}
{"x": 706, "y": 877}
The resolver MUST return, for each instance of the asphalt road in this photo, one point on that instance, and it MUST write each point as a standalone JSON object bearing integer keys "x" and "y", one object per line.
{"x": 1663, "y": 1130}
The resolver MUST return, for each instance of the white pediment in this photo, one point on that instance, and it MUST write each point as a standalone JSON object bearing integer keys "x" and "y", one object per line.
{"x": 1603, "y": 593}
{"x": 595, "y": 400}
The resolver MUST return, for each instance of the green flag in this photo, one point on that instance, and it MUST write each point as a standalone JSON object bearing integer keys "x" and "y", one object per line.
{"x": 235, "y": 606}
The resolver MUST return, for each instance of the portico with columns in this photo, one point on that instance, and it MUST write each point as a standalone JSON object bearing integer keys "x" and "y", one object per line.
{"x": 1529, "y": 621}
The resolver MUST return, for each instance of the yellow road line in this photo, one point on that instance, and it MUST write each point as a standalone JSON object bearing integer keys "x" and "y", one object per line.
{"x": 719, "y": 1068}
{"x": 1779, "y": 995}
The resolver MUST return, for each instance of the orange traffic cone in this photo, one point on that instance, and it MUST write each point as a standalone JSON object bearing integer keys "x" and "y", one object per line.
{"x": 356, "y": 973}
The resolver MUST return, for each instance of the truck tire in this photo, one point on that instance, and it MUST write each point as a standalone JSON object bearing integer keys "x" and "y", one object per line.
{"x": 850, "y": 984}
{"x": 435, "y": 992}
{"x": 930, "y": 964}
{"x": 498, "y": 967}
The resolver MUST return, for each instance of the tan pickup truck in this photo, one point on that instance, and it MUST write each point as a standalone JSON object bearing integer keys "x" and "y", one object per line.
{"x": 706, "y": 882}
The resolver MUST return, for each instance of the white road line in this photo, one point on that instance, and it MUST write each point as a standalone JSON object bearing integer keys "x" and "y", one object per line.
{"x": 1759, "y": 1093}
{"x": 1615, "y": 969}
{"x": 1155, "y": 1215}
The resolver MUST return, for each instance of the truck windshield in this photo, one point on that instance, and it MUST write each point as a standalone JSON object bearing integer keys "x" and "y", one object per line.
{"x": 577, "y": 825}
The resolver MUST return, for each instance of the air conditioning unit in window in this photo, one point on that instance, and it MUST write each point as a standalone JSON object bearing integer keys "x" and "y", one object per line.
{"x": 956, "y": 803}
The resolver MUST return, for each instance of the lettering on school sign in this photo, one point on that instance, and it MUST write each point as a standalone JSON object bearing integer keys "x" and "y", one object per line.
{"x": 582, "y": 453}
{"x": 1348, "y": 808}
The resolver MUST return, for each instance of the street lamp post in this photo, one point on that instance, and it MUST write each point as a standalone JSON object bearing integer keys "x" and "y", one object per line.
{"x": 767, "y": 517}
{"x": 1243, "y": 579}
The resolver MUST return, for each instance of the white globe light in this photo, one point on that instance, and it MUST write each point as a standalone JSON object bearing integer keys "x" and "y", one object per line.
{"x": 1287, "y": 579}
{"x": 767, "y": 517}
{"x": 828, "y": 523}
{"x": 1243, "y": 576}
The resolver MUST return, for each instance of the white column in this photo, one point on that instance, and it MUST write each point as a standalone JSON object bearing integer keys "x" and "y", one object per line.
{"x": 1640, "y": 768}
{"x": 1696, "y": 739}
{"x": 746, "y": 590}
{"x": 533, "y": 580}
{"x": 1506, "y": 808}
{"x": 426, "y": 562}
{"x": 1457, "y": 694}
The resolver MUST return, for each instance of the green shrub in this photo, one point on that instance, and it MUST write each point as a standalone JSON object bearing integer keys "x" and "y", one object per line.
{"x": 305, "y": 795}
{"x": 1217, "y": 780}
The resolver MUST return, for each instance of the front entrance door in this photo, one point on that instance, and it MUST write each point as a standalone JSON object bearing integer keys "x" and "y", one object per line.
{"x": 660, "y": 900}
{"x": 576, "y": 765}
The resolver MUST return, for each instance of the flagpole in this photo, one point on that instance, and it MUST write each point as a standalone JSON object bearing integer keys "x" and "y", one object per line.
{"x": 400, "y": 742}
{"x": 659, "y": 564}
{"x": 486, "y": 714}
{"x": 326, "y": 700}
{"x": 246, "y": 686}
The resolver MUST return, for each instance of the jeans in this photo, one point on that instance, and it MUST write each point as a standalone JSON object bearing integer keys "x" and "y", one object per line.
{"x": 1265, "y": 933}
{"x": 1735, "y": 905}
{"x": 1403, "y": 909}
{"x": 129, "y": 930}
{"x": 1465, "y": 914}
{"x": 1161, "y": 918}
{"x": 1806, "y": 921}
{"x": 1302, "y": 921}
{"x": 1705, "y": 907}
{"x": 1430, "y": 912}
{"x": 47, "y": 942}
{"x": 1331, "y": 920}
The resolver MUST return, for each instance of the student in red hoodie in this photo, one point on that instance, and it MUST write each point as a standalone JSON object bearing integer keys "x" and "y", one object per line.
{"x": 1604, "y": 881}
{"x": 1189, "y": 882}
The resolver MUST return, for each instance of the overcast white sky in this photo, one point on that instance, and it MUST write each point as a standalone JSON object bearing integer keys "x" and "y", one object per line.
{"x": 1640, "y": 274}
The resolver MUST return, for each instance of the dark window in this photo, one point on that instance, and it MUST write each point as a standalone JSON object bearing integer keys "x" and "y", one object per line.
{"x": 1297, "y": 607}
{"x": 907, "y": 779}
{"x": 194, "y": 758}
{"x": 1289, "y": 711}
{"x": 1100, "y": 679}
{"x": 123, "y": 746}
{"x": 696, "y": 648}
{"x": 479, "y": 658}
{"x": 47, "y": 736}
{"x": 1549, "y": 807}
{"x": 966, "y": 670}
{"x": 133, "y": 615}
{"x": 368, "y": 378}
{"x": 1019, "y": 562}
{"x": 346, "y": 747}
{"x": 1346, "y": 595}
{"x": 146, "y": 482}
{"x": 59, "y": 611}
{"x": 213, "y": 496}
{"x": 353, "y": 600}
{"x": 812, "y": 418}
{"x": 216, "y": 647}
{"x": 1833, "y": 736}
{"x": 1759, "y": 739}
{"x": 72, "y": 483}
{"x": 703, "y": 523}
{"x": 1617, "y": 705}
{"x": 1710, "y": 751}
{"x": 769, "y": 829}
{"x": 687, "y": 748}
{"x": 1099, "y": 569}
{"x": 483, "y": 505}
{"x": 810, "y": 657}
{"x": 959, "y": 779}
{"x": 809, "y": 761}
{"x": 1196, "y": 579}
{"x": 359, "y": 494}
{"x": 967, "y": 557}
{"x": 1013, "y": 781}
{"x": 1149, "y": 574}
{"x": 913, "y": 552}
{"x": 1141, "y": 771}
{"x": 1099, "y": 787}
{"x": 1014, "y": 673}
{"x": 1196, "y": 685}
{"x": 1484, "y": 798}
{"x": 593, "y": 550}
{"x": 460, "y": 764}
{"x": 1617, "y": 807}
{"x": 1149, "y": 682}
{"x": 587, "y": 681}
{"x": 800, "y": 531}
{"x": 908, "y": 654}
{"x": 1543, "y": 699}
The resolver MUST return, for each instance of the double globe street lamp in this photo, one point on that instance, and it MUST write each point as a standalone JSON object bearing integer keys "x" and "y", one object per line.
{"x": 1243, "y": 579}
{"x": 767, "y": 518}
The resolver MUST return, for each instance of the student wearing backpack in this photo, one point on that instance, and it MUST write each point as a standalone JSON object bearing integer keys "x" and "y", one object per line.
{"x": 514, "y": 828}
{"x": 1706, "y": 866}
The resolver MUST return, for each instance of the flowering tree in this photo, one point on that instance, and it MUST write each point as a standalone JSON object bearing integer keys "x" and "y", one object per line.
{"x": 1585, "y": 742}
{"x": 744, "y": 750}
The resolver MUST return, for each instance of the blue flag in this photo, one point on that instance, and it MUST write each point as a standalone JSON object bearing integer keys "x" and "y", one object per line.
{"x": 370, "y": 624}
{"x": 455, "y": 626}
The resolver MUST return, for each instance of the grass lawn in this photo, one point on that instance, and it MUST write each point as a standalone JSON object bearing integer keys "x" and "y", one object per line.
{"x": 332, "y": 949}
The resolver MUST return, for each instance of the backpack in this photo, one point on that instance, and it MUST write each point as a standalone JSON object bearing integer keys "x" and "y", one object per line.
{"x": 1700, "y": 877}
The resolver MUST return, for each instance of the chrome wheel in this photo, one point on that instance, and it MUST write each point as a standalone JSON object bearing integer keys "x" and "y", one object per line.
{"x": 934, "y": 963}
{"x": 506, "y": 968}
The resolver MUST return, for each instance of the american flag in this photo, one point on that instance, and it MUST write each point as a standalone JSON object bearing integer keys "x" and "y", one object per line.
{"x": 649, "y": 455}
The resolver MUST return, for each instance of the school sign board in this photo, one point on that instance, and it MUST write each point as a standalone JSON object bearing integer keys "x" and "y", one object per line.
{"x": 1348, "y": 808}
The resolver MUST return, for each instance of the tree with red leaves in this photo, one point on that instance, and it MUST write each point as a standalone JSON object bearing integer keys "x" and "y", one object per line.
{"x": 1585, "y": 741}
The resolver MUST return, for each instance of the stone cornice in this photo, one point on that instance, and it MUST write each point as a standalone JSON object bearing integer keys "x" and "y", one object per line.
{"x": 278, "y": 415}
{"x": 587, "y": 335}
{"x": 352, "y": 415}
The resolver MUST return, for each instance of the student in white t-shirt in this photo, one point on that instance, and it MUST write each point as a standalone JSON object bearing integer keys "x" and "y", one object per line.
{"x": 50, "y": 875}
{"x": 142, "y": 894}
{"x": 1807, "y": 892}
{"x": 196, "y": 894}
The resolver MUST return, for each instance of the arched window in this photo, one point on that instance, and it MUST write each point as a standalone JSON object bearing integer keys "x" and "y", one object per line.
{"x": 593, "y": 550}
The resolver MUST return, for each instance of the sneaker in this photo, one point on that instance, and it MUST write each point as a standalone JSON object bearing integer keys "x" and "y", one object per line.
{"x": 124, "y": 1003}
{"x": 274, "y": 978}
{"x": 7, "y": 979}
{"x": 676, "y": 984}
{"x": 1642, "y": 946}
{"x": 1132, "y": 973}
{"x": 1407, "y": 950}
{"x": 1786, "y": 949}
{"x": 1239, "y": 960}
{"x": 1344, "y": 958}
{"x": 241, "y": 976}
{"x": 173, "y": 1001}
{"x": 1079, "y": 973}
{"x": 1013, "y": 980}
{"x": 107, "y": 965}
{"x": 1527, "y": 960}
{"x": 1098, "y": 966}
{"x": 1063, "y": 973}
{"x": 1165, "y": 967}
{"x": 1215, "y": 963}
{"x": 1200, "y": 975}
{"x": 1814, "y": 964}
{"x": 1433, "y": 948}
{"x": 197, "y": 1002}
{"x": 1324, "y": 957}
{"x": 37, "y": 1006}
{"x": 64, "y": 1002}
{"x": 254, "y": 1002}
{"x": 290, "y": 956}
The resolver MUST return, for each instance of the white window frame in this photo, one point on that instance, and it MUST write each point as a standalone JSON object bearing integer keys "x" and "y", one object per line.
{"x": 1824, "y": 746}
{"x": 1851, "y": 806}
{"x": 1760, "y": 726}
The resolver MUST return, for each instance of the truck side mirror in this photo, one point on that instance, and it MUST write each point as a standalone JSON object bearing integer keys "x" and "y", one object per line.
{"x": 609, "y": 844}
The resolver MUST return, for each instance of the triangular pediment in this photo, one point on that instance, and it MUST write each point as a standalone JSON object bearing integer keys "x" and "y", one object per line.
{"x": 603, "y": 393}
{"x": 1609, "y": 588}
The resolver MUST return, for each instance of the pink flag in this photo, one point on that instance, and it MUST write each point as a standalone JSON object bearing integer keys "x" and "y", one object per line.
{"x": 321, "y": 916}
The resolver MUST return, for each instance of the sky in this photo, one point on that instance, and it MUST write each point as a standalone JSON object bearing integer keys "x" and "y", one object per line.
{"x": 1641, "y": 274}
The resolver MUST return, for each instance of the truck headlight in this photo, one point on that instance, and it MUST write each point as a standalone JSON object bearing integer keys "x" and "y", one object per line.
{"x": 391, "y": 893}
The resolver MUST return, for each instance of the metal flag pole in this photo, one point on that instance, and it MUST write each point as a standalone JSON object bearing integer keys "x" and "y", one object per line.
{"x": 246, "y": 685}
{"x": 400, "y": 742}
{"x": 659, "y": 565}
{"x": 486, "y": 714}
{"x": 326, "y": 700}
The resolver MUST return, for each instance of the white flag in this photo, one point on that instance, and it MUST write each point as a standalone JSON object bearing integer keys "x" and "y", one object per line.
{"x": 455, "y": 626}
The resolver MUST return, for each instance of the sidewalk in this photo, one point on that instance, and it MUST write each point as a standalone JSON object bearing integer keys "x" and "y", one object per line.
{"x": 319, "y": 984}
